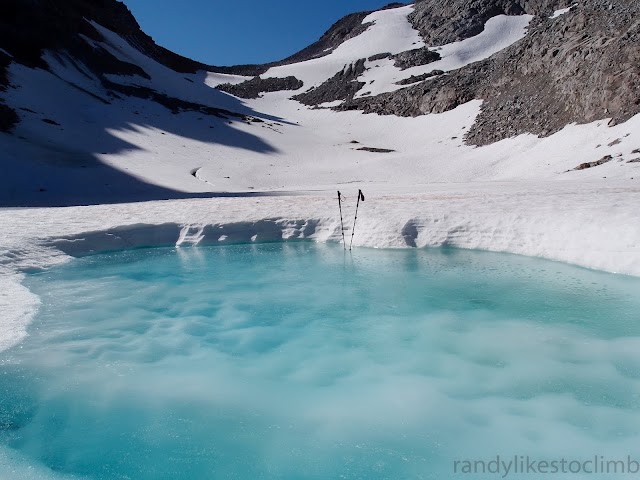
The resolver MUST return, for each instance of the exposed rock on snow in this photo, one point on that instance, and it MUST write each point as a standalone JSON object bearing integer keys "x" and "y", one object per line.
{"x": 254, "y": 87}
{"x": 175, "y": 105}
{"x": 342, "y": 86}
{"x": 419, "y": 78}
{"x": 415, "y": 57}
{"x": 376, "y": 150}
{"x": 602, "y": 161}
{"x": 435, "y": 95}
{"x": 379, "y": 56}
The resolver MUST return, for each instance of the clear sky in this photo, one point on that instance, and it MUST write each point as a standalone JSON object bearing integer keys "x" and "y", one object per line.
{"x": 228, "y": 32}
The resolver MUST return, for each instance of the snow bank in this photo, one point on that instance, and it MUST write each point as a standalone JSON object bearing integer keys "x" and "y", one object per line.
{"x": 560, "y": 12}
{"x": 18, "y": 305}
{"x": 588, "y": 224}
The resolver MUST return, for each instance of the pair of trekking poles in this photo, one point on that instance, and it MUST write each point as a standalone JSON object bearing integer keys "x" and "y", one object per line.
{"x": 341, "y": 198}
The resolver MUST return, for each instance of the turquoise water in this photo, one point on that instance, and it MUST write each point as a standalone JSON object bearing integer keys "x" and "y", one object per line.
{"x": 296, "y": 361}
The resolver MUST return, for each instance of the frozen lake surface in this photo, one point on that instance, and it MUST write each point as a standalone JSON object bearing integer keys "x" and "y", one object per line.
{"x": 298, "y": 361}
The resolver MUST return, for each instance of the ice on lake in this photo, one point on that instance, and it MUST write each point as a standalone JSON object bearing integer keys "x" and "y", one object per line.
{"x": 301, "y": 361}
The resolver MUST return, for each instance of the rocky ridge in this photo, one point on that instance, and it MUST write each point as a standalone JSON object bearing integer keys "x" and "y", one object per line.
{"x": 415, "y": 57}
{"x": 254, "y": 87}
{"x": 580, "y": 67}
{"x": 28, "y": 28}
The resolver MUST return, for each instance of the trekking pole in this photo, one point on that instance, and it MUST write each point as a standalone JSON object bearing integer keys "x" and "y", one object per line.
{"x": 353, "y": 232}
{"x": 344, "y": 243}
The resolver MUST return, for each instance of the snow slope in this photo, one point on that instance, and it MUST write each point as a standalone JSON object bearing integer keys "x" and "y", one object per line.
{"x": 134, "y": 145}
{"x": 391, "y": 32}
{"x": 77, "y": 144}
{"x": 499, "y": 32}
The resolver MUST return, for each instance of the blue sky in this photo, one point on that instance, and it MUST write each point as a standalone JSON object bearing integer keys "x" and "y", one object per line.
{"x": 227, "y": 32}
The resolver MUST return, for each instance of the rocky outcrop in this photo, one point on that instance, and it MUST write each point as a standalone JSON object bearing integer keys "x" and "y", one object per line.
{"x": 419, "y": 78}
{"x": 379, "y": 56}
{"x": 175, "y": 105}
{"x": 375, "y": 150}
{"x": 440, "y": 23}
{"x": 579, "y": 67}
{"x": 597, "y": 163}
{"x": 254, "y": 87}
{"x": 437, "y": 95}
{"x": 415, "y": 58}
{"x": 342, "y": 86}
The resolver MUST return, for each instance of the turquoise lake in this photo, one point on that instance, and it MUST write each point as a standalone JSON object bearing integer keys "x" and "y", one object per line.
{"x": 301, "y": 361}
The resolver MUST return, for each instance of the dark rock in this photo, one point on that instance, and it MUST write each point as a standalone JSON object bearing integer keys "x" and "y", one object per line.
{"x": 392, "y": 5}
{"x": 175, "y": 105}
{"x": 379, "y": 56}
{"x": 603, "y": 160}
{"x": 436, "y": 95}
{"x": 254, "y": 87}
{"x": 419, "y": 78}
{"x": 595, "y": 75}
{"x": 634, "y": 160}
{"x": 637, "y": 150}
{"x": 50, "y": 122}
{"x": 8, "y": 118}
{"x": 375, "y": 150}
{"x": 414, "y": 58}
{"x": 342, "y": 86}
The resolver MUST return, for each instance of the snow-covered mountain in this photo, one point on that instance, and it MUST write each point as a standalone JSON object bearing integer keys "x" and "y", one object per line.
{"x": 93, "y": 111}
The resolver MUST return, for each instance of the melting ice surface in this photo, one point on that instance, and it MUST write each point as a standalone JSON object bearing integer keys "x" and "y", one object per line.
{"x": 296, "y": 361}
